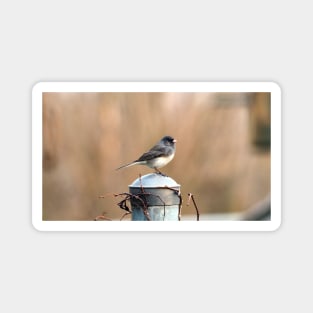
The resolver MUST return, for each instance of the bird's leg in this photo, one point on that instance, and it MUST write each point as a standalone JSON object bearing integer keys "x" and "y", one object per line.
{"x": 159, "y": 172}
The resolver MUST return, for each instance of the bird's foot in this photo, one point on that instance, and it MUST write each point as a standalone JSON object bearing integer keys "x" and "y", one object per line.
{"x": 160, "y": 173}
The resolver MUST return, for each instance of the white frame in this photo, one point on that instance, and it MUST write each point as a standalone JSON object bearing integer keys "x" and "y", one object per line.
{"x": 42, "y": 87}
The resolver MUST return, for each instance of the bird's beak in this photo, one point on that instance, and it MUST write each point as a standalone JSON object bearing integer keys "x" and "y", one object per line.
{"x": 174, "y": 140}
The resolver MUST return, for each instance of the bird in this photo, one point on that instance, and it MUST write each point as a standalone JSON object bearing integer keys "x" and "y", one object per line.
{"x": 158, "y": 156}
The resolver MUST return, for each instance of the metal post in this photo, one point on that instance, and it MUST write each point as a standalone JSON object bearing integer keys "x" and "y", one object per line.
{"x": 156, "y": 198}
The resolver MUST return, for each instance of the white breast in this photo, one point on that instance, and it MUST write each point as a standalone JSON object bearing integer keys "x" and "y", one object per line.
{"x": 160, "y": 162}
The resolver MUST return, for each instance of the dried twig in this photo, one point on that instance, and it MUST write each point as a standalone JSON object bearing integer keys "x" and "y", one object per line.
{"x": 107, "y": 195}
{"x": 180, "y": 199}
{"x": 128, "y": 196}
{"x": 102, "y": 217}
{"x": 124, "y": 215}
{"x": 141, "y": 197}
{"x": 190, "y": 196}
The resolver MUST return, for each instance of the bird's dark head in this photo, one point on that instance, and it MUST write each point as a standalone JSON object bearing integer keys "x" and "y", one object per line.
{"x": 168, "y": 141}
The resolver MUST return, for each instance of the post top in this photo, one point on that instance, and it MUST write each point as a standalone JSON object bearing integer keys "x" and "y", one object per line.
{"x": 154, "y": 180}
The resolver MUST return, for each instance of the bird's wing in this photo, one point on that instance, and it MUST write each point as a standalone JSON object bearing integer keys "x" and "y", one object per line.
{"x": 155, "y": 152}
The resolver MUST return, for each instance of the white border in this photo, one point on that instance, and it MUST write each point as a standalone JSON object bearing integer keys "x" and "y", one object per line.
{"x": 42, "y": 87}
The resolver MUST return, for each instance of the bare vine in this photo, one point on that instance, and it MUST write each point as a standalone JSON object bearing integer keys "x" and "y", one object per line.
{"x": 124, "y": 204}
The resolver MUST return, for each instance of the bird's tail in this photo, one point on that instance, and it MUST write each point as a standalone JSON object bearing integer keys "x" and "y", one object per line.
{"x": 126, "y": 165}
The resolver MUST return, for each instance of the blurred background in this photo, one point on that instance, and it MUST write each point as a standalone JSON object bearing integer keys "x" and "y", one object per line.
{"x": 222, "y": 152}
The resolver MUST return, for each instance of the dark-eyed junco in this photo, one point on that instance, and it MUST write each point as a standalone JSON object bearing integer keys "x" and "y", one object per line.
{"x": 158, "y": 156}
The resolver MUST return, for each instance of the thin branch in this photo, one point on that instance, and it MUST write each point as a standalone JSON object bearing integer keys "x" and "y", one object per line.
{"x": 180, "y": 199}
{"x": 102, "y": 217}
{"x": 124, "y": 215}
{"x": 107, "y": 195}
{"x": 141, "y": 197}
{"x": 190, "y": 196}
